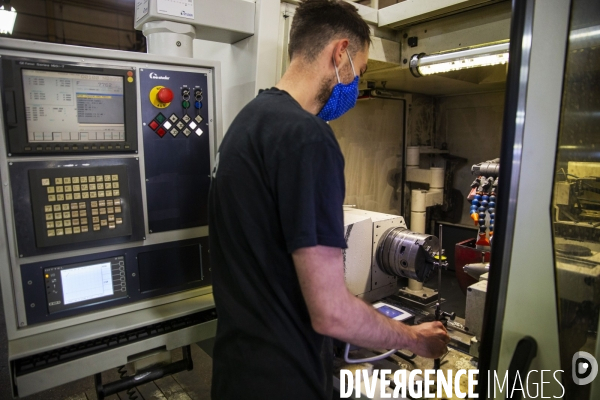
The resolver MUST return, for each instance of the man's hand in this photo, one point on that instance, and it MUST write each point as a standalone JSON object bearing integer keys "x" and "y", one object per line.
{"x": 429, "y": 340}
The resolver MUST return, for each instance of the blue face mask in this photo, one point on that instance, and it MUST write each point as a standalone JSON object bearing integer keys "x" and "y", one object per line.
{"x": 343, "y": 97}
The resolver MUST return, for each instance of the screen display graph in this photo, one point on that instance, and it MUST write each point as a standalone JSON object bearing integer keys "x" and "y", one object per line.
{"x": 86, "y": 283}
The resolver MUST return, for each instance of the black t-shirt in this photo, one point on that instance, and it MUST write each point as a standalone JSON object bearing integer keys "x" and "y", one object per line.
{"x": 278, "y": 186}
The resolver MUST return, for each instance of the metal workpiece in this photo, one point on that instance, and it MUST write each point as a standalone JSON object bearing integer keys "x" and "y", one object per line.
{"x": 489, "y": 168}
{"x": 403, "y": 253}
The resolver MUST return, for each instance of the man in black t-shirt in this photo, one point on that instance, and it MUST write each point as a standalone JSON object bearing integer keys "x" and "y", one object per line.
{"x": 277, "y": 229}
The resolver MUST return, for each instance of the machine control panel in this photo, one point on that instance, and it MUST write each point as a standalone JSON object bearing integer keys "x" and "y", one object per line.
{"x": 54, "y": 107}
{"x": 77, "y": 285}
{"x": 79, "y": 204}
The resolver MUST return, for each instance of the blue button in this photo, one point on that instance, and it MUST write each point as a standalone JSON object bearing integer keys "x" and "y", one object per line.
{"x": 198, "y": 105}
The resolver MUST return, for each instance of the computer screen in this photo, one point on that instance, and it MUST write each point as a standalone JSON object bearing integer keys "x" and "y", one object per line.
{"x": 86, "y": 283}
{"x": 73, "y": 107}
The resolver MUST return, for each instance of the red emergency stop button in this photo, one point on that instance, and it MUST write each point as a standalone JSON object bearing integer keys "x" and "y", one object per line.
{"x": 165, "y": 95}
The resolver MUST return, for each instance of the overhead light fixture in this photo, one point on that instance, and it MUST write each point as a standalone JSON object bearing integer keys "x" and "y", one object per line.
{"x": 423, "y": 64}
{"x": 8, "y": 15}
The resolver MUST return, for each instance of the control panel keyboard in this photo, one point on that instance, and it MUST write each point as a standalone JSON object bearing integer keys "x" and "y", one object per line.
{"x": 79, "y": 204}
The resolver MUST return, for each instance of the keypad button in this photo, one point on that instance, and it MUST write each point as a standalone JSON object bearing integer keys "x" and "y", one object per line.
{"x": 60, "y": 197}
{"x": 119, "y": 221}
{"x": 75, "y": 179}
{"x": 67, "y": 181}
{"x": 83, "y": 179}
{"x": 115, "y": 185}
{"x": 67, "y": 222}
{"x": 96, "y": 227}
{"x": 85, "y": 186}
{"x": 68, "y": 188}
{"x": 85, "y": 195}
{"x": 69, "y": 196}
{"x": 65, "y": 207}
{"x": 83, "y": 213}
{"x": 49, "y": 208}
{"x": 76, "y": 188}
{"x": 56, "y": 207}
{"x": 60, "y": 232}
{"x": 94, "y": 211}
{"x": 186, "y": 118}
{"x": 58, "y": 181}
{"x": 58, "y": 224}
{"x": 100, "y": 193}
{"x": 76, "y": 196}
{"x": 107, "y": 178}
{"x": 68, "y": 231}
{"x": 116, "y": 192}
{"x": 60, "y": 189}
{"x": 75, "y": 222}
{"x": 108, "y": 185}
{"x": 180, "y": 125}
{"x": 50, "y": 224}
{"x": 51, "y": 197}
{"x": 111, "y": 218}
{"x": 117, "y": 209}
{"x": 83, "y": 221}
{"x": 66, "y": 214}
{"x": 153, "y": 125}
{"x": 115, "y": 177}
{"x": 58, "y": 215}
{"x": 174, "y": 132}
{"x": 117, "y": 201}
{"x": 76, "y": 230}
{"x": 84, "y": 229}
{"x": 93, "y": 195}
{"x": 45, "y": 182}
{"x": 103, "y": 222}
{"x": 198, "y": 119}
{"x": 81, "y": 205}
{"x": 74, "y": 214}
{"x": 49, "y": 217}
{"x": 100, "y": 186}
{"x": 173, "y": 118}
{"x": 108, "y": 193}
{"x": 99, "y": 178}
{"x": 51, "y": 232}
{"x": 103, "y": 211}
{"x": 93, "y": 186}
{"x": 94, "y": 204}
{"x": 109, "y": 203}
{"x": 95, "y": 220}
{"x": 74, "y": 206}
{"x": 111, "y": 225}
{"x": 50, "y": 189}
{"x": 187, "y": 131}
{"x": 91, "y": 179}
{"x": 110, "y": 210}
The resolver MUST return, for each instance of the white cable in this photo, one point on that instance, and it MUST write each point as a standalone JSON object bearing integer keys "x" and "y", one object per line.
{"x": 362, "y": 360}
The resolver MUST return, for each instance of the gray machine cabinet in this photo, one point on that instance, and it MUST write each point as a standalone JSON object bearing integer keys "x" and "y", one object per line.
{"x": 98, "y": 263}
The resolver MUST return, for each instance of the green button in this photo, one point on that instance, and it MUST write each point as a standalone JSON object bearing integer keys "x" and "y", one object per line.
{"x": 185, "y": 104}
{"x": 160, "y": 118}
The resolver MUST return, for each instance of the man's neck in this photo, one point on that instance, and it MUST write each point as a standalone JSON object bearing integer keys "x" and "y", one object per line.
{"x": 302, "y": 84}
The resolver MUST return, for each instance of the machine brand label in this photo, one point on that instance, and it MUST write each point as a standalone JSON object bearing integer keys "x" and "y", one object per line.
{"x": 154, "y": 75}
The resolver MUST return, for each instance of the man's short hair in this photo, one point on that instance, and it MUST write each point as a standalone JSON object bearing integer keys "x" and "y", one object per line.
{"x": 318, "y": 22}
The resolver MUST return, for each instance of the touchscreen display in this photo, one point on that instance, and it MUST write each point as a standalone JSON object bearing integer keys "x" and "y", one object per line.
{"x": 389, "y": 311}
{"x": 86, "y": 283}
{"x": 72, "y": 107}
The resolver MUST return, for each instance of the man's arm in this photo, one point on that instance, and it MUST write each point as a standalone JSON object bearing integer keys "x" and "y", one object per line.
{"x": 335, "y": 312}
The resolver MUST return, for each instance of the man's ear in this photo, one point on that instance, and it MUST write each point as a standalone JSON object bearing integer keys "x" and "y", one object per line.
{"x": 339, "y": 50}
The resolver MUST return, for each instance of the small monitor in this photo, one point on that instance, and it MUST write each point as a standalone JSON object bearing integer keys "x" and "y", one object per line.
{"x": 75, "y": 108}
{"x": 83, "y": 284}
{"x": 68, "y": 108}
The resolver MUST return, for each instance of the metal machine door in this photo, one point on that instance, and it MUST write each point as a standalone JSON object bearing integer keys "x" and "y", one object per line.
{"x": 544, "y": 276}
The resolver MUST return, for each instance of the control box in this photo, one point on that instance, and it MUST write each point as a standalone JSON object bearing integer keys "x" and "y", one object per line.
{"x": 105, "y": 159}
